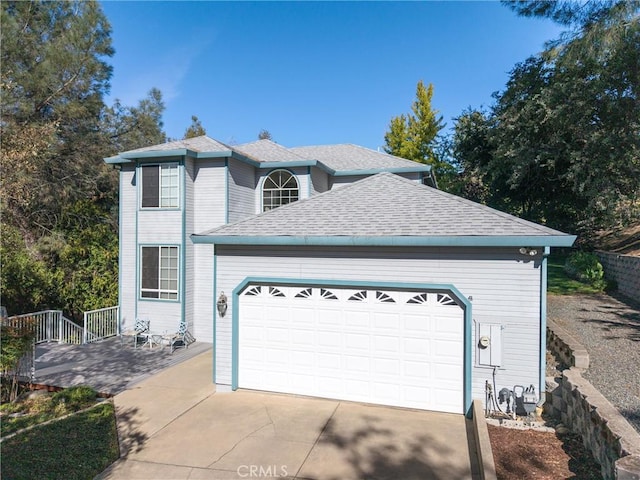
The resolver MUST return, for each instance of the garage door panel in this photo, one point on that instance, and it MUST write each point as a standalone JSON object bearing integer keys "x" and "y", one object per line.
{"x": 416, "y": 325}
{"x": 356, "y": 366}
{"x": 332, "y": 341}
{"x": 278, "y": 335}
{"x": 303, "y": 358}
{"x": 328, "y": 318}
{"x": 301, "y": 316}
{"x": 446, "y": 372}
{"x": 360, "y": 345}
{"x": 332, "y": 361}
{"x": 357, "y": 342}
{"x": 302, "y": 338}
{"x": 417, "y": 346}
{"x": 387, "y": 344}
{"x": 356, "y": 320}
{"x": 387, "y": 366}
{"x": 385, "y": 322}
{"x": 277, "y": 356}
{"x": 446, "y": 348}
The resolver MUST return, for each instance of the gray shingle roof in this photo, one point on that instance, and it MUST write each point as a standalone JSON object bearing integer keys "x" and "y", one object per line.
{"x": 267, "y": 151}
{"x": 344, "y": 159}
{"x": 349, "y": 157}
{"x": 196, "y": 144}
{"x": 384, "y": 205}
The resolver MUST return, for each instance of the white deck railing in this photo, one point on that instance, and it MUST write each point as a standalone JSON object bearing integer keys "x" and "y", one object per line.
{"x": 50, "y": 326}
{"x": 101, "y": 323}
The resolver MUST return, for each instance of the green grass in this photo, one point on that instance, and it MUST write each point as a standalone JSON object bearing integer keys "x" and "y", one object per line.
{"x": 558, "y": 283}
{"x": 78, "y": 447}
{"x": 46, "y": 407}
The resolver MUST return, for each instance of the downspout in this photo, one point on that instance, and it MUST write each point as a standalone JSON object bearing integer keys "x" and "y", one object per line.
{"x": 543, "y": 323}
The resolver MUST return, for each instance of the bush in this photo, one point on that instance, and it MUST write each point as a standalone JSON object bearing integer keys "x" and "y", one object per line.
{"x": 75, "y": 398}
{"x": 585, "y": 267}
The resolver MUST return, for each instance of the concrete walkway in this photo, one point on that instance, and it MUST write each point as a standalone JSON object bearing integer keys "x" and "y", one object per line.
{"x": 174, "y": 426}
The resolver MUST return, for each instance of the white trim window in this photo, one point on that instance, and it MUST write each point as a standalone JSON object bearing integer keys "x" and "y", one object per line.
{"x": 160, "y": 186}
{"x": 159, "y": 272}
{"x": 279, "y": 188}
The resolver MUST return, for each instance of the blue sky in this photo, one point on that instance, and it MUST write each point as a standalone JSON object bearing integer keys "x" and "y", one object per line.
{"x": 313, "y": 72}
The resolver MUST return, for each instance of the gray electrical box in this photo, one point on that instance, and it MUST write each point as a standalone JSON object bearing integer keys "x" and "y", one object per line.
{"x": 489, "y": 344}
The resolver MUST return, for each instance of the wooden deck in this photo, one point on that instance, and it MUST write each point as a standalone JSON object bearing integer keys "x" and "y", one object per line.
{"x": 108, "y": 366}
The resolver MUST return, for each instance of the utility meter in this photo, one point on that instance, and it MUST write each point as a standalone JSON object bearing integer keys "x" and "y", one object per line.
{"x": 484, "y": 341}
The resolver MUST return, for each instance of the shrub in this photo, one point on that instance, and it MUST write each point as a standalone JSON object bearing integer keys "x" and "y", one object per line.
{"x": 75, "y": 398}
{"x": 585, "y": 267}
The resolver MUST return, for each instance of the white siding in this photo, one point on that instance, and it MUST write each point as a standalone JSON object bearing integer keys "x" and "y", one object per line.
{"x": 163, "y": 316}
{"x": 190, "y": 176}
{"x": 505, "y": 290}
{"x": 209, "y": 195}
{"x": 337, "y": 182}
{"x": 203, "y": 294}
{"x": 127, "y": 247}
{"x": 319, "y": 181}
{"x": 159, "y": 227}
{"x": 242, "y": 188}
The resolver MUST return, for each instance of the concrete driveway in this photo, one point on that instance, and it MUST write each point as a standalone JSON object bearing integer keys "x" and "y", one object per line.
{"x": 175, "y": 426}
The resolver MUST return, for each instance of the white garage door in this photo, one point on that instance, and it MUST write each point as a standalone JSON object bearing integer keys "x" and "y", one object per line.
{"x": 378, "y": 346}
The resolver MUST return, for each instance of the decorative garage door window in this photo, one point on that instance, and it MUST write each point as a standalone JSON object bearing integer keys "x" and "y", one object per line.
{"x": 351, "y": 295}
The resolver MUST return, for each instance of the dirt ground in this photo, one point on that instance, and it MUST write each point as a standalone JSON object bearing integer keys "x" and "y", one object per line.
{"x": 529, "y": 454}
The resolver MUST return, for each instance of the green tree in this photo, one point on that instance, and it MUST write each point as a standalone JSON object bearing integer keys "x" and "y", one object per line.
{"x": 561, "y": 144}
{"x": 195, "y": 129}
{"x": 59, "y": 217}
{"x": 127, "y": 128}
{"x": 414, "y": 136}
{"x": 264, "y": 135}
{"x": 570, "y": 119}
{"x": 473, "y": 152}
{"x": 54, "y": 75}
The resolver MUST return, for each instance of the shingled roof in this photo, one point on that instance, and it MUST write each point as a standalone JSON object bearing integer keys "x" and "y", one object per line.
{"x": 385, "y": 209}
{"x": 343, "y": 159}
{"x": 347, "y": 156}
{"x": 267, "y": 151}
{"x": 195, "y": 144}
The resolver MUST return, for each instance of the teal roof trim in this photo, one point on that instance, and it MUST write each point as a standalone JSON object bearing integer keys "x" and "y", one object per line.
{"x": 393, "y": 241}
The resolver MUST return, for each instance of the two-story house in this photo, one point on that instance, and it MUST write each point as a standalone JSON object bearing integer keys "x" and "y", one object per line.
{"x": 342, "y": 275}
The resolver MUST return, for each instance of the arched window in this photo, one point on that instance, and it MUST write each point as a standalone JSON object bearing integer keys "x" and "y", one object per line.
{"x": 279, "y": 188}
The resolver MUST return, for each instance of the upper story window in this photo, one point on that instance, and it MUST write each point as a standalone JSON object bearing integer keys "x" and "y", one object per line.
{"x": 160, "y": 186}
{"x": 279, "y": 188}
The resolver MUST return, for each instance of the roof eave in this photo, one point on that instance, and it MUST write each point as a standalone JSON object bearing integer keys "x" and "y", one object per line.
{"x": 373, "y": 171}
{"x": 392, "y": 241}
{"x": 129, "y": 157}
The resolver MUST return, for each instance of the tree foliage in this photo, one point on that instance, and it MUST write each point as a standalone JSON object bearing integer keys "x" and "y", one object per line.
{"x": 59, "y": 217}
{"x": 195, "y": 129}
{"x": 264, "y": 135}
{"x": 414, "y": 135}
{"x": 561, "y": 144}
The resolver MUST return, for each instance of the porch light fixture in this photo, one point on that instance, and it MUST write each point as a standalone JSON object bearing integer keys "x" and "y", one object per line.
{"x": 528, "y": 251}
{"x": 222, "y": 304}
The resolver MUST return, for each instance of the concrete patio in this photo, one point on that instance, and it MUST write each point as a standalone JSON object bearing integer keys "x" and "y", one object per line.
{"x": 175, "y": 426}
{"x": 109, "y": 366}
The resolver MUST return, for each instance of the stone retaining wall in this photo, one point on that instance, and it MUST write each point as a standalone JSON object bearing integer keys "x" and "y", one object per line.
{"x": 625, "y": 270}
{"x": 613, "y": 442}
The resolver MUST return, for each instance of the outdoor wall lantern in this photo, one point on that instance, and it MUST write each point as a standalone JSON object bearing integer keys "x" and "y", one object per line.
{"x": 222, "y": 304}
